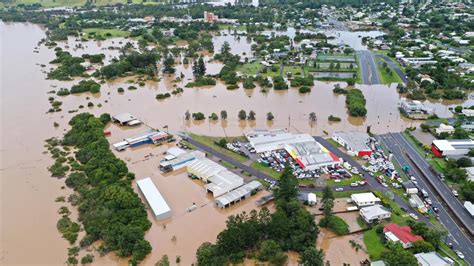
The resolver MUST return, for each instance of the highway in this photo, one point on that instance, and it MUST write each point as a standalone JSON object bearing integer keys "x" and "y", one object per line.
{"x": 368, "y": 67}
{"x": 397, "y": 144}
{"x": 394, "y": 66}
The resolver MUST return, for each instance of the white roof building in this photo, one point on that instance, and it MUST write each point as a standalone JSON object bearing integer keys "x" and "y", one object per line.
{"x": 157, "y": 203}
{"x": 470, "y": 173}
{"x": 126, "y": 119}
{"x": 452, "y": 147}
{"x": 432, "y": 259}
{"x": 374, "y": 213}
{"x": 237, "y": 194}
{"x": 364, "y": 199}
{"x": 270, "y": 140}
{"x": 356, "y": 143}
{"x": 219, "y": 180}
{"x": 443, "y": 128}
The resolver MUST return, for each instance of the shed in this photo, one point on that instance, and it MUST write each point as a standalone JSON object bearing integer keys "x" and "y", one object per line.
{"x": 155, "y": 200}
{"x": 238, "y": 194}
{"x": 126, "y": 119}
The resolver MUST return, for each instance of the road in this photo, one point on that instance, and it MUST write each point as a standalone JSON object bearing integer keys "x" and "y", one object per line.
{"x": 394, "y": 66}
{"x": 368, "y": 67}
{"x": 397, "y": 144}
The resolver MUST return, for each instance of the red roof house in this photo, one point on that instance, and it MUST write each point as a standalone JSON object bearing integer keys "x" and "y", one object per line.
{"x": 401, "y": 234}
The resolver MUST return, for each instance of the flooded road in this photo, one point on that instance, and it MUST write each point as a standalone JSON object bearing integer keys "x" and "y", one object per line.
{"x": 28, "y": 193}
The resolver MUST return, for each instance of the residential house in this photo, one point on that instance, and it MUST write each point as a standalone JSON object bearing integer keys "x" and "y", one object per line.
{"x": 400, "y": 234}
{"x": 374, "y": 213}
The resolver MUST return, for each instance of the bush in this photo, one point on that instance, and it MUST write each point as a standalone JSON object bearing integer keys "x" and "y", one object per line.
{"x": 335, "y": 224}
{"x": 213, "y": 117}
{"x": 279, "y": 84}
{"x": 120, "y": 90}
{"x": 300, "y": 81}
{"x": 86, "y": 86}
{"x": 334, "y": 118}
{"x": 201, "y": 81}
{"x": 132, "y": 88}
{"x": 304, "y": 89}
{"x": 232, "y": 87}
{"x": 63, "y": 92}
{"x": 355, "y": 102}
{"x": 198, "y": 116}
{"x": 162, "y": 96}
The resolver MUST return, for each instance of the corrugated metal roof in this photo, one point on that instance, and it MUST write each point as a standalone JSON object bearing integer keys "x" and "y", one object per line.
{"x": 154, "y": 198}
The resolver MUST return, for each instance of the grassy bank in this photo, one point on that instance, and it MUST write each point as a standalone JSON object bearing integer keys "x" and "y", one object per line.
{"x": 106, "y": 33}
{"x": 210, "y": 142}
{"x": 373, "y": 245}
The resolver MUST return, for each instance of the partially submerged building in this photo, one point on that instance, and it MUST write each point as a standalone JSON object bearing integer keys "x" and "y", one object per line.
{"x": 415, "y": 109}
{"x": 155, "y": 200}
{"x": 356, "y": 143}
{"x": 179, "y": 161}
{"x": 237, "y": 194}
{"x": 219, "y": 180}
{"x": 126, "y": 119}
{"x": 154, "y": 137}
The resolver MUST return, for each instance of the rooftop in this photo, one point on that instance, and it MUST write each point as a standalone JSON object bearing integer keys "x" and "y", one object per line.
{"x": 431, "y": 259}
{"x": 124, "y": 118}
{"x": 453, "y": 144}
{"x": 403, "y": 233}
{"x": 153, "y": 196}
{"x": 373, "y": 211}
{"x": 364, "y": 197}
{"x": 355, "y": 140}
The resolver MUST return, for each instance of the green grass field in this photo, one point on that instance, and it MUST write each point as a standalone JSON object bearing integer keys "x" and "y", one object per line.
{"x": 386, "y": 77}
{"x": 374, "y": 247}
{"x": 265, "y": 169}
{"x": 249, "y": 69}
{"x": 106, "y": 33}
{"x": 344, "y": 182}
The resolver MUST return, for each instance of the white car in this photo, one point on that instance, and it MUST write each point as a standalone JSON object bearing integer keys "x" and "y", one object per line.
{"x": 460, "y": 255}
{"x": 339, "y": 189}
{"x": 414, "y": 216}
{"x": 455, "y": 193}
{"x": 354, "y": 184}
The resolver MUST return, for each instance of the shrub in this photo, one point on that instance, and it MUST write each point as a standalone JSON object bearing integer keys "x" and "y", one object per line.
{"x": 120, "y": 90}
{"x": 201, "y": 81}
{"x": 335, "y": 224}
{"x": 86, "y": 86}
{"x": 232, "y": 87}
{"x": 304, "y": 89}
{"x": 355, "y": 102}
{"x": 198, "y": 116}
{"x": 279, "y": 84}
{"x": 334, "y": 118}
{"x": 132, "y": 88}
{"x": 162, "y": 96}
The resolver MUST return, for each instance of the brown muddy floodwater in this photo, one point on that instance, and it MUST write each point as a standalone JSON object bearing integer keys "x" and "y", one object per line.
{"x": 28, "y": 211}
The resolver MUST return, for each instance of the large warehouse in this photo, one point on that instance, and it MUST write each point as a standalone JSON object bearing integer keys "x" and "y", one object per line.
{"x": 356, "y": 143}
{"x": 451, "y": 147}
{"x": 237, "y": 194}
{"x": 311, "y": 155}
{"x": 219, "y": 180}
{"x": 157, "y": 203}
{"x": 270, "y": 140}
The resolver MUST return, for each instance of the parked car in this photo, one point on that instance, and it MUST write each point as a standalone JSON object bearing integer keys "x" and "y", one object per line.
{"x": 459, "y": 253}
{"x": 339, "y": 189}
{"x": 455, "y": 193}
{"x": 414, "y": 216}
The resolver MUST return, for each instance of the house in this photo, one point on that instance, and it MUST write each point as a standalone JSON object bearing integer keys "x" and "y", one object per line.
{"x": 374, "y": 213}
{"x": 467, "y": 112}
{"x": 356, "y": 143}
{"x": 443, "y": 128}
{"x": 364, "y": 199}
{"x": 432, "y": 259}
{"x": 400, "y": 234}
{"x": 126, "y": 119}
{"x": 414, "y": 107}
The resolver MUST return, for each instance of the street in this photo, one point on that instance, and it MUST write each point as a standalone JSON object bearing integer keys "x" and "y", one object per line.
{"x": 397, "y": 145}
{"x": 394, "y": 66}
{"x": 368, "y": 67}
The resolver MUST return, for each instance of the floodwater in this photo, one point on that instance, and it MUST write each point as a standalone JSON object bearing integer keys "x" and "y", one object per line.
{"x": 28, "y": 211}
